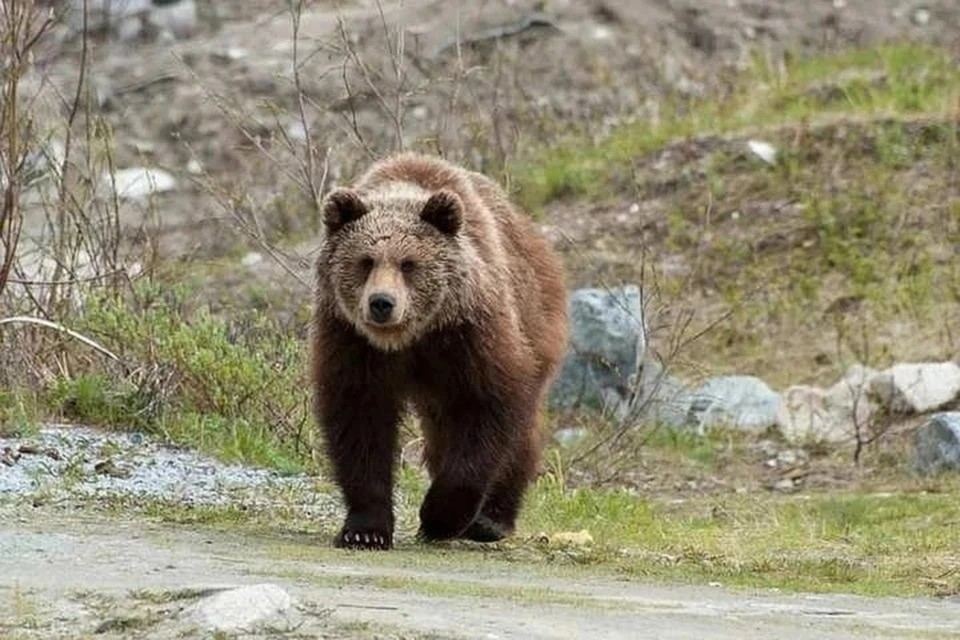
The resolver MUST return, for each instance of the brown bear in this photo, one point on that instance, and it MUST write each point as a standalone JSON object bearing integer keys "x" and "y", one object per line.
{"x": 433, "y": 292}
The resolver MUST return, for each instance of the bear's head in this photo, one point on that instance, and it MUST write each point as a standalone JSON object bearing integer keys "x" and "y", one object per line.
{"x": 391, "y": 261}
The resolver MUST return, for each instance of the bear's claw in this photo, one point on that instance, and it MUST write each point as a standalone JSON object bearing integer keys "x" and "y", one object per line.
{"x": 376, "y": 540}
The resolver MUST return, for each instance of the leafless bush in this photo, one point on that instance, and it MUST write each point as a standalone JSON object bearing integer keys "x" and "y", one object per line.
{"x": 59, "y": 176}
{"x": 22, "y": 25}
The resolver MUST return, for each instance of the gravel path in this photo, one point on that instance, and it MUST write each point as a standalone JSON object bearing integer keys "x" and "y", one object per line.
{"x": 63, "y": 461}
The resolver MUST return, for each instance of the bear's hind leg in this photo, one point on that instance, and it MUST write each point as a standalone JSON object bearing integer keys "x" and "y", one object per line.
{"x": 498, "y": 516}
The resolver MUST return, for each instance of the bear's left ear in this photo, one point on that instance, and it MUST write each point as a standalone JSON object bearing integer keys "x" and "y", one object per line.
{"x": 443, "y": 210}
{"x": 341, "y": 207}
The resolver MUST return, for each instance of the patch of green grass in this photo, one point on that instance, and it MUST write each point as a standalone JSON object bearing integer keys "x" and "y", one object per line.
{"x": 896, "y": 79}
{"x": 95, "y": 399}
{"x": 900, "y": 544}
{"x": 19, "y": 412}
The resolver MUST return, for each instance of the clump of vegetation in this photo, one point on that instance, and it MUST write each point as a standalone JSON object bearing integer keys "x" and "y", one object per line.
{"x": 232, "y": 387}
{"x": 887, "y": 80}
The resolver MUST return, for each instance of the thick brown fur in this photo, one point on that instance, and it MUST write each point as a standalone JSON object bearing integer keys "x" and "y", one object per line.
{"x": 475, "y": 332}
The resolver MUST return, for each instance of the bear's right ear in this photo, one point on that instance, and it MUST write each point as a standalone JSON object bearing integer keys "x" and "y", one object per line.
{"x": 342, "y": 206}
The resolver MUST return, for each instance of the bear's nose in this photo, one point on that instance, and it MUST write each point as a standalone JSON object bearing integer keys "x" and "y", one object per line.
{"x": 381, "y": 307}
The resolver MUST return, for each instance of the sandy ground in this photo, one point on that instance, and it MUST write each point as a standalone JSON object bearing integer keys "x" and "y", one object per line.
{"x": 70, "y": 576}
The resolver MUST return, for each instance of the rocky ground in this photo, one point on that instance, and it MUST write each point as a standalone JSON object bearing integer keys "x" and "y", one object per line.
{"x": 64, "y": 462}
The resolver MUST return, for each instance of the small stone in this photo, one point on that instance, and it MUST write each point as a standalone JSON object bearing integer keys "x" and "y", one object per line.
{"x": 252, "y": 259}
{"x": 230, "y": 54}
{"x": 784, "y": 484}
{"x": 245, "y": 608}
{"x": 194, "y": 167}
{"x": 921, "y": 16}
{"x": 580, "y": 538}
{"x": 937, "y": 444}
{"x": 137, "y": 183}
{"x": 570, "y": 436}
{"x": 635, "y": 208}
{"x": 110, "y": 468}
{"x": 296, "y": 131}
{"x": 763, "y": 150}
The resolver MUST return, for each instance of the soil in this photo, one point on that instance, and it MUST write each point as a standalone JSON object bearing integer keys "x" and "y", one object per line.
{"x": 73, "y": 576}
{"x": 225, "y": 98}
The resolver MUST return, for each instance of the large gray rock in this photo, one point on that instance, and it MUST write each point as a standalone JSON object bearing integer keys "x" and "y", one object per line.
{"x": 917, "y": 387}
{"x": 246, "y": 608}
{"x": 661, "y": 398}
{"x": 813, "y": 415}
{"x": 740, "y": 402}
{"x": 937, "y": 444}
{"x": 607, "y": 344}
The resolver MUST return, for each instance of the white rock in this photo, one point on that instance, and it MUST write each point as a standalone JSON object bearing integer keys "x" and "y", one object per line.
{"x": 811, "y": 414}
{"x": 917, "y": 387}
{"x": 296, "y": 131}
{"x": 921, "y": 17}
{"x": 241, "y": 609}
{"x": 252, "y": 259}
{"x": 763, "y": 150}
{"x": 138, "y": 182}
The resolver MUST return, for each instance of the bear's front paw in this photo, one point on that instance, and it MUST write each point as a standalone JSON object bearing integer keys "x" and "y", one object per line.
{"x": 370, "y": 529}
{"x": 364, "y": 539}
{"x": 447, "y": 511}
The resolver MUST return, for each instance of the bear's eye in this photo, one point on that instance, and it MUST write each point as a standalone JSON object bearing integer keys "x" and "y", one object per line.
{"x": 407, "y": 266}
{"x": 366, "y": 263}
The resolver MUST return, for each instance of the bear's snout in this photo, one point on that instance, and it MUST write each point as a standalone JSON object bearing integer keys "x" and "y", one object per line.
{"x": 381, "y": 307}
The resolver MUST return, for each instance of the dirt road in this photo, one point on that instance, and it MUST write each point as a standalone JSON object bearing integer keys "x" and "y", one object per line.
{"x": 72, "y": 576}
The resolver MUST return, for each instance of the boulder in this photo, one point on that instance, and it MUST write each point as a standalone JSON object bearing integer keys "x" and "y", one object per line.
{"x": 607, "y": 345}
{"x": 811, "y": 414}
{"x": 661, "y": 398}
{"x": 937, "y": 444}
{"x": 741, "y": 402}
{"x": 245, "y": 608}
{"x": 916, "y": 387}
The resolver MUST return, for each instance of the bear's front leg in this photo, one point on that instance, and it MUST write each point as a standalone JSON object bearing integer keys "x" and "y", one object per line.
{"x": 361, "y": 434}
